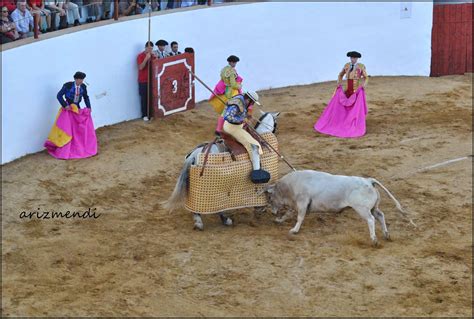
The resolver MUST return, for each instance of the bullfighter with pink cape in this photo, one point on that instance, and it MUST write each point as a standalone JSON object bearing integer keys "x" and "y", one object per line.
{"x": 345, "y": 114}
{"x": 73, "y": 134}
{"x": 229, "y": 85}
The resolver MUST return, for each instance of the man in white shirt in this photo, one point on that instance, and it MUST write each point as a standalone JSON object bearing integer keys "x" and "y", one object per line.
{"x": 23, "y": 19}
{"x": 161, "y": 53}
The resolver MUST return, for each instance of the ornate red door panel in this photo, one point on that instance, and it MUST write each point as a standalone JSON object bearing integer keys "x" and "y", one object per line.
{"x": 173, "y": 89}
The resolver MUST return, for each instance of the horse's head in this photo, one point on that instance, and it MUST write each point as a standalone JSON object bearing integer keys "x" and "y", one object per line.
{"x": 267, "y": 122}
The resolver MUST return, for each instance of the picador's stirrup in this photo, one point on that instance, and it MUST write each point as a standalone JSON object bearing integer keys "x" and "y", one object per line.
{"x": 260, "y": 176}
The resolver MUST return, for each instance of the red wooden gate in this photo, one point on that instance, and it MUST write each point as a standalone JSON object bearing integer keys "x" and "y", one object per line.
{"x": 173, "y": 89}
{"x": 451, "y": 42}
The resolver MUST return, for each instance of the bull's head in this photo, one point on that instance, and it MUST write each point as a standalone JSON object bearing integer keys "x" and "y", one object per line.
{"x": 273, "y": 197}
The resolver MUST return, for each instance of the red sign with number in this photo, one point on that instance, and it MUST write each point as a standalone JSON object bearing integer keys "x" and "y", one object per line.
{"x": 173, "y": 87}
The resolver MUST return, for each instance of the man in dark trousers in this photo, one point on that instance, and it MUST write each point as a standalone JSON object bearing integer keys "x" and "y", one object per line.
{"x": 161, "y": 52}
{"x": 143, "y": 60}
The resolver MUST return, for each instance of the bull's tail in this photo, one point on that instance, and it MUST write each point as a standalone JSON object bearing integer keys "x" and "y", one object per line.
{"x": 399, "y": 207}
{"x": 177, "y": 198}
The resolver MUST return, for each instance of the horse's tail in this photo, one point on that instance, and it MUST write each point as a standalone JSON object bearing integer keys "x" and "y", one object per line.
{"x": 180, "y": 191}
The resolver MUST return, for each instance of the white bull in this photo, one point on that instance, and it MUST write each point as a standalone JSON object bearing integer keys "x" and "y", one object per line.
{"x": 306, "y": 191}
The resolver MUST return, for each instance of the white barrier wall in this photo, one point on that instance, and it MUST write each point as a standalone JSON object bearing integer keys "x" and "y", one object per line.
{"x": 279, "y": 44}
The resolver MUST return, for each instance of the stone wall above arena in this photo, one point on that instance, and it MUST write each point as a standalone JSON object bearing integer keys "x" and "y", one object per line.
{"x": 279, "y": 44}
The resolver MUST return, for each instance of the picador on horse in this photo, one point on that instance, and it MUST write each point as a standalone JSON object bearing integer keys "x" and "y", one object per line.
{"x": 196, "y": 186}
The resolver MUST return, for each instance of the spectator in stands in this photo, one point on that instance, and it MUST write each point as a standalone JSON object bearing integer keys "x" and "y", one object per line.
{"x": 72, "y": 11}
{"x": 128, "y": 8}
{"x": 155, "y": 5}
{"x": 174, "y": 49}
{"x": 57, "y": 9}
{"x": 161, "y": 53}
{"x": 106, "y": 9}
{"x": 143, "y": 60}
{"x": 170, "y": 4}
{"x": 187, "y": 3}
{"x": 189, "y": 50}
{"x": 145, "y": 7}
{"x": 93, "y": 9}
{"x": 37, "y": 6}
{"x": 80, "y": 7}
{"x": 10, "y": 4}
{"x": 23, "y": 20}
{"x": 8, "y": 27}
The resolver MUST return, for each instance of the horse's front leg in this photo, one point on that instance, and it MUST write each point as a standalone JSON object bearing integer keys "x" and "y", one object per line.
{"x": 226, "y": 221}
{"x": 198, "y": 224}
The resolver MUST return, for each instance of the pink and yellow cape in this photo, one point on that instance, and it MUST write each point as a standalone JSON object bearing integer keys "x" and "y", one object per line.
{"x": 219, "y": 92}
{"x": 72, "y": 135}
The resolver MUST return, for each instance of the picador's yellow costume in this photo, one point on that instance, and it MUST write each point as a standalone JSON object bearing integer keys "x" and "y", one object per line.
{"x": 234, "y": 115}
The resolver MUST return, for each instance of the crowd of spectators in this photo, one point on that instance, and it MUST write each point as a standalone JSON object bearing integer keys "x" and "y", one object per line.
{"x": 17, "y": 15}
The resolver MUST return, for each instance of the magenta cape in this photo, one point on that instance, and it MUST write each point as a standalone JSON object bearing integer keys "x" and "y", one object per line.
{"x": 219, "y": 89}
{"x": 344, "y": 117}
{"x": 72, "y": 135}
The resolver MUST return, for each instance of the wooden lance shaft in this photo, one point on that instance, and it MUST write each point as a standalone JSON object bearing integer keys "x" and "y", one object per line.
{"x": 148, "y": 89}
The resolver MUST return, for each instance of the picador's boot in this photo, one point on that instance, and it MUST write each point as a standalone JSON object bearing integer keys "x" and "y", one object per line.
{"x": 258, "y": 175}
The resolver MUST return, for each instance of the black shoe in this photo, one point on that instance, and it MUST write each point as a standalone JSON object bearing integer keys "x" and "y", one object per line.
{"x": 260, "y": 176}
{"x": 89, "y": 20}
{"x": 76, "y": 23}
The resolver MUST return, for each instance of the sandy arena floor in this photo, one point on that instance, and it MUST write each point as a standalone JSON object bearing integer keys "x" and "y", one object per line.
{"x": 138, "y": 260}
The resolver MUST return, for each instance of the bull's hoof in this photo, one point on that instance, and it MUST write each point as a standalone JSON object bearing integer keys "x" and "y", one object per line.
{"x": 293, "y": 231}
{"x": 198, "y": 226}
{"x": 291, "y": 236}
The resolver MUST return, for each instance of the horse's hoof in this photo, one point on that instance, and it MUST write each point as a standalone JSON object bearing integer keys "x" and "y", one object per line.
{"x": 291, "y": 236}
{"x": 228, "y": 222}
{"x": 198, "y": 227}
{"x": 293, "y": 231}
{"x": 375, "y": 243}
{"x": 278, "y": 221}
{"x": 387, "y": 237}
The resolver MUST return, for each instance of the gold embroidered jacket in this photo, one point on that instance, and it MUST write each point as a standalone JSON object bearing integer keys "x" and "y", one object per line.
{"x": 357, "y": 73}
{"x": 228, "y": 75}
